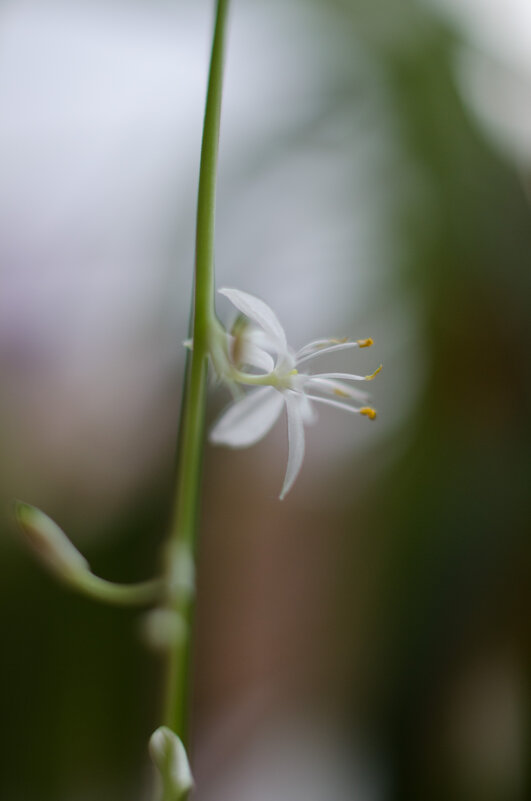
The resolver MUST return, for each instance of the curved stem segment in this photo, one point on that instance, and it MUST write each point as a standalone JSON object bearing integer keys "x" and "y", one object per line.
{"x": 181, "y": 545}
{"x": 145, "y": 593}
{"x": 59, "y": 555}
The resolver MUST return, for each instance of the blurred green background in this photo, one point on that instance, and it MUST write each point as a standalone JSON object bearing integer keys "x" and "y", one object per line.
{"x": 368, "y": 638}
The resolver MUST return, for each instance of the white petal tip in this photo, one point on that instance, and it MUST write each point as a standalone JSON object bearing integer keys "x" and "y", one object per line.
{"x": 286, "y": 489}
{"x": 295, "y": 412}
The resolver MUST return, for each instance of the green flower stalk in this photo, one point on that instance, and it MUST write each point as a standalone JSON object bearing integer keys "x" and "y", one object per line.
{"x": 182, "y": 540}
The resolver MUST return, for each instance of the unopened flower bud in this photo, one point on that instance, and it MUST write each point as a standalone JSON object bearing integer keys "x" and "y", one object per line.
{"x": 169, "y": 755}
{"x": 50, "y": 543}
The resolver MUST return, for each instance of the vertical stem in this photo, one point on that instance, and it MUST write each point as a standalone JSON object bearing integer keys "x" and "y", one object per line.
{"x": 182, "y": 538}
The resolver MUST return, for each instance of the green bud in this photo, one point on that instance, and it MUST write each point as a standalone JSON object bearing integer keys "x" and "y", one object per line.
{"x": 50, "y": 544}
{"x": 169, "y": 755}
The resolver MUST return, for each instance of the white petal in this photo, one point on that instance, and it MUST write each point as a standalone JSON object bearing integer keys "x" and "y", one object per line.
{"x": 245, "y": 351}
{"x": 285, "y": 362}
{"x": 258, "y": 311}
{"x": 309, "y": 415}
{"x": 258, "y": 337}
{"x": 256, "y": 357}
{"x": 295, "y": 441}
{"x": 248, "y": 420}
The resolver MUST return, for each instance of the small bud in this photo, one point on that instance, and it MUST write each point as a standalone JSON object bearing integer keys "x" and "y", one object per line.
{"x": 50, "y": 543}
{"x": 162, "y": 628}
{"x": 169, "y": 755}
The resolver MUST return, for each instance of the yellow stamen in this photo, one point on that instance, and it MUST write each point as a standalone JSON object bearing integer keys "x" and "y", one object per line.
{"x": 365, "y": 343}
{"x": 368, "y": 412}
{"x": 341, "y": 393}
{"x": 371, "y": 376}
{"x": 294, "y": 372}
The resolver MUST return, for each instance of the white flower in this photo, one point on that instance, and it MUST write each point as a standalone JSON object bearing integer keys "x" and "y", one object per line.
{"x": 257, "y": 354}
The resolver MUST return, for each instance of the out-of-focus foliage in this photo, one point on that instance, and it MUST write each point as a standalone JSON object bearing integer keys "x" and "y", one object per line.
{"x": 369, "y": 637}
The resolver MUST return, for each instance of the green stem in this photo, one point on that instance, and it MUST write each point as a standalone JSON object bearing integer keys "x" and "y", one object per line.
{"x": 182, "y": 540}
{"x": 144, "y": 593}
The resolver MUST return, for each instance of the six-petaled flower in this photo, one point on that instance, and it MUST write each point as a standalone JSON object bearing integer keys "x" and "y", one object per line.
{"x": 256, "y": 353}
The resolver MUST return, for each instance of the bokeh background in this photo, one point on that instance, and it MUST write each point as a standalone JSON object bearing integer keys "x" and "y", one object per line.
{"x": 367, "y": 639}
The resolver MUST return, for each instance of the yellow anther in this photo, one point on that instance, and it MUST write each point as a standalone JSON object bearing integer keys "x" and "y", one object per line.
{"x": 368, "y": 412}
{"x": 365, "y": 343}
{"x": 371, "y": 376}
{"x": 341, "y": 393}
{"x": 294, "y": 372}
